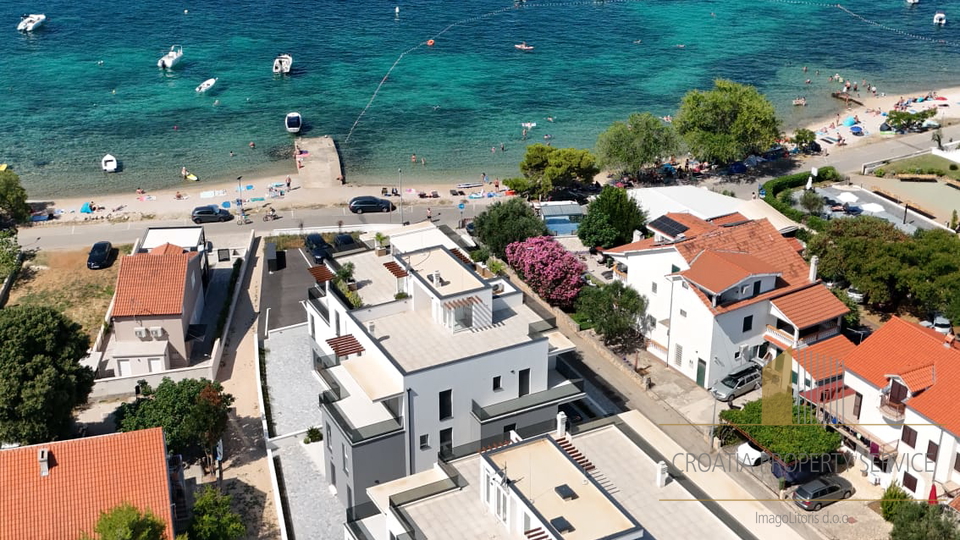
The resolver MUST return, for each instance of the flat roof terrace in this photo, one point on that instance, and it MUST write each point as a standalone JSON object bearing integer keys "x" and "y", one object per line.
{"x": 415, "y": 341}
{"x": 375, "y": 284}
{"x": 455, "y": 278}
{"x": 556, "y": 487}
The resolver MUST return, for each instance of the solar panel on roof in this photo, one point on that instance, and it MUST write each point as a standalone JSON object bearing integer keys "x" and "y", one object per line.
{"x": 668, "y": 226}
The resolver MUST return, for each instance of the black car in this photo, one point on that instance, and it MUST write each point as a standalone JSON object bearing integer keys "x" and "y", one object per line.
{"x": 344, "y": 242}
{"x": 318, "y": 247}
{"x": 366, "y": 203}
{"x": 99, "y": 256}
{"x": 209, "y": 214}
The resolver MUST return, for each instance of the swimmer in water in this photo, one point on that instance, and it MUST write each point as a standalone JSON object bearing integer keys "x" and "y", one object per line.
{"x": 637, "y": 41}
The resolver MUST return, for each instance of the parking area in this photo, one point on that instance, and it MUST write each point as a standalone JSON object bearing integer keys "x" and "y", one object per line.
{"x": 292, "y": 387}
{"x": 283, "y": 290}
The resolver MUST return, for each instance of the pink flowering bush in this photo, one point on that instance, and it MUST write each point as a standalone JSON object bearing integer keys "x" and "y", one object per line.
{"x": 551, "y": 271}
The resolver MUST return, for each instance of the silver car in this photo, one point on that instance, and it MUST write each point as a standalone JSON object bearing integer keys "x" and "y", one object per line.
{"x": 737, "y": 383}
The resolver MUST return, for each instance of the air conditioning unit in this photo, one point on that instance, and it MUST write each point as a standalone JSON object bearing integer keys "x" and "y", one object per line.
{"x": 156, "y": 331}
{"x": 140, "y": 332}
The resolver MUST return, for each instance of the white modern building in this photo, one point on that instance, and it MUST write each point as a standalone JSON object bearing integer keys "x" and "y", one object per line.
{"x": 708, "y": 206}
{"x": 900, "y": 420}
{"x": 596, "y": 484}
{"x": 435, "y": 360}
{"x": 720, "y": 296}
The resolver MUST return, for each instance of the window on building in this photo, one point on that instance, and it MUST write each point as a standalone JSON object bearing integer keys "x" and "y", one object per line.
{"x": 674, "y": 269}
{"x": 346, "y": 458}
{"x": 909, "y": 436}
{"x": 497, "y": 383}
{"x": 910, "y": 482}
{"x": 678, "y": 355}
{"x": 857, "y": 405}
{"x": 748, "y": 323}
{"x": 653, "y": 287}
{"x": 683, "y": 313}
{"x": 446, "y": 404}
{"x": 463, "y": 317}
{"x": 329, "y": 438}
{"x": 424, "y": 442}
{"x": 793, "y": 377}
{"x": 933, "y": 451}
{"x": 956, "y": 462}
{"x": 756, "y": 287}
{"x": 310, "y": 325}
{"x": 684, "y": 285}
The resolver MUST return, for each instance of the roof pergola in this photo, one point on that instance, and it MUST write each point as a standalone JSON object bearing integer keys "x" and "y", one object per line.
{"x": 345, "y": 345}
{"x": 395, "y": 269}
{"x": 462, "y": 302}
{"x": 321, "y": 273}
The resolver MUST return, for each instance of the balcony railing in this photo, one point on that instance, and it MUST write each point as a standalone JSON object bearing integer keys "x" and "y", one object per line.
{"x": 357, "y": 435}
{"x": 316, "y": 298}
{"x": 819, "y": 334}
{"x": 557, "y": 393}
{"x": 450, "y": 453}
{"x": 780, "y": 335}
{"x": 536, "y": 329}
{"x": 891, "y": 409}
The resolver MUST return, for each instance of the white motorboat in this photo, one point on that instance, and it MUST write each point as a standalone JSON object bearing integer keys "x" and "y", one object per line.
{"x": 109, "y": 163}
{"x": 940, "y": 18}
{"x": 913, "y": 1}
{"x": 523, "y": 46}
{"x": 29, "y": 23}
{"x": 171, "y": 58}
{"x": 282, "y": 63}
{"x": 206, "y": 85}
{"x": 294, "y": 122}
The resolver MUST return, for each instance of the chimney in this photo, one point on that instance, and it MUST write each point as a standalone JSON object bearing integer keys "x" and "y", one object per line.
{"x": 814, "y": 262}
{"x": 637, "y": 236}
{"x": 436, "y": 278}
{"x": 43, "y": 457}
{"x": 371, "y": 328}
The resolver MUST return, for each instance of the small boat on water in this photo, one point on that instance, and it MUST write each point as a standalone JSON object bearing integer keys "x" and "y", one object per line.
{"x": 940, "y": 18}
{"x": 171, "y": 58}
{"x": 523, "y": 46}
{"x": 109, "y": 163}
{"x": 528, "y": 125}
{"x": 282, "y": 64}
{"x": 206, "y": 85}
{"x": 800, "y": 102}
{"x": 29, "y": 23}
{"x": 294, "y": 122}
{"x": 913, "y": 1}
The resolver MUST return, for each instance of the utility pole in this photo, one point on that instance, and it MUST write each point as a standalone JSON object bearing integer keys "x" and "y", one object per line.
{"x": 400, "y": 187}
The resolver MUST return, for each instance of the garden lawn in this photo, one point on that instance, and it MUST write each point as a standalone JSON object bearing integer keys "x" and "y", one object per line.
{"x": 926, "y": 165}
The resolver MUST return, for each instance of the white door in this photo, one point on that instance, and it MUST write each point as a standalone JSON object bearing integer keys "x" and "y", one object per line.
{"x": 156, "y": 365}
{"x": 123, "y": 368}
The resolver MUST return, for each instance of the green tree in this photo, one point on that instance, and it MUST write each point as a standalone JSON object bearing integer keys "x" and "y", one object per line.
{"x": 617, "y": 312}
{"x": 805, "y": 437}
{"x": 905, "y": 121}
{"x": 522, "y": 185}
{"x": 9, "y": 249}
{"x": 213, "y": 519}
{"x": 811, "y": 202}
{"x": 545, "y": 168}
{"x": 923, "y": 521}
{"x": 504, "y": 223}
{"x": 803, "y": 137}
{"x": 192, "y": 412}
{"x": 894, "y": 497}
{"x": 642, "y": 140}
{"x": 41, "y": 379}
{"x": 126, "y": 522}
{"x": 851, "y": 319}
{"x": 727, "y": 123}
{"x": 621, "y": 212}
{"x": 13, "y": 198}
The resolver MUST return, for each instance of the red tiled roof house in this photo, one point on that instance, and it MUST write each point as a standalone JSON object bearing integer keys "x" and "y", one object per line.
{"x": 57, "y": 490}
{"x": 721, "y": 295}
{"x": 158, "y": 295}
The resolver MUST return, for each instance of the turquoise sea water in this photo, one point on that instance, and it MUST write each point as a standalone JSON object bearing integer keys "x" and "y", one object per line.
{"x": 449, "y": 103}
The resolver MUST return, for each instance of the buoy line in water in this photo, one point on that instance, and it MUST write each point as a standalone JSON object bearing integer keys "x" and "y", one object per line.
{"x": 528, "y": 5}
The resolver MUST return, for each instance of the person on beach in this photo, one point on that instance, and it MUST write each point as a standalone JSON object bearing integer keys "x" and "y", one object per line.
{"x": 178, "y": 196}
{"x": 231, "y": 153}
{"x": 493, "y": 149}
{"x": 252, "y": 145}
{"x": 429, "y": 214}
{"x": 289, "y": 181}
{"x": 413, "y": 158}
{"x": 423, "y": 161}
{"x": 501, "y": 147}
{"x": 140, "y": 191}
{"x": 496, "y": 184}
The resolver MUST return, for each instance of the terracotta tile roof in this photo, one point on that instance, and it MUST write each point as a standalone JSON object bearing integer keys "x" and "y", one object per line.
{"x": 646, "y": 243}
{"x": 824, "y": 359}
{"x": 87, "y": 476}
{"x": 321, "y": 273}
{"x": 717, "y": 271}
{"x": 345, "y": 345}
{"x": 810, "y": 306}
{"x": 735, "y": 217}
{"x": 152, "y": 283}
{"x": 396, "y": 269}
{"x": 797, "y": 244}
{"x": 919, "y": 356}
{"x": 828, "y": 392}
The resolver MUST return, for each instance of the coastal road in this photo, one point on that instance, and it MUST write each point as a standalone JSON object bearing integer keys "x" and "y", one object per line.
{"x": 78, "y": 235}
{"x": 850, "y": 160}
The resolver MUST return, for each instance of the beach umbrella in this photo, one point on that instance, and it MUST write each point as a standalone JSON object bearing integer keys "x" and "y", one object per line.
{"x": 933, "y": 494}
{"x": 847, "y": 197}
{"x": 849, "y": 121}
{"x": 856, "y": 130}
{"x": 872, "y": 207}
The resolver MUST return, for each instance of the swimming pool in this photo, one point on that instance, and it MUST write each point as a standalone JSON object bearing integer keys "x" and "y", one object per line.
{"x": 561, "y": 225}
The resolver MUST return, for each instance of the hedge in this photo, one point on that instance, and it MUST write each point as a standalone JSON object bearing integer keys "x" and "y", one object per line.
{"x": 792, "y": 181}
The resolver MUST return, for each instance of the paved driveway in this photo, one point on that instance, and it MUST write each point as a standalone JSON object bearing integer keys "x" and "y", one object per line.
{"x": 283, "y": 291}
{"x": 292, "y": 387}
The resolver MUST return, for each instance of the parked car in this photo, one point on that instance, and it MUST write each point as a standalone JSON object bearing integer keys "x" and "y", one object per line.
{"x": 344, "y": 242}
{"x": 749, "y": 454}
{"x": 209, "y": 214}
{"x": 940, "y": 324}
{"x": 367, "y": 203}
{"x": 737, "y": 383}
{"x": 855, "y": 295}
{"x": 99, "y": 256}
{"x": 821, "y": 492}
{"x": 318, "y": 248}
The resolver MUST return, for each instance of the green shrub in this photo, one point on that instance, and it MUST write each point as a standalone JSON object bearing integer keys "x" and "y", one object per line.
{"x": 480, "y": 254}
{"x": 776, "y": 186}
{"x": 401, "y": 296}
{"x": 893, "y": 500}
{"x": 817, "y": 223}
{"x": 879, "y": 173}
{"x": 583, "y": 320}
{"x": 953, "y": 166}
{"x": 313, "y": 435}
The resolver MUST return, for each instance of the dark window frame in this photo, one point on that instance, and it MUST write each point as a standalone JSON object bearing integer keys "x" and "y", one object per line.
{"x": 446, "y": 404}
{"x": 909, "y": 436}
{"x": 748, "y": 323}
{"x": 497, "y": 383}
{"x": 910, "y": 482}
{"x": 933, "y": 451}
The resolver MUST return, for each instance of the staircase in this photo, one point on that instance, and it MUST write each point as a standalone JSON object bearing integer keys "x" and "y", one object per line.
{"x": 604, "y": 481}
{"x": 536, "y": 534}
{"x": 575, "y": 455}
